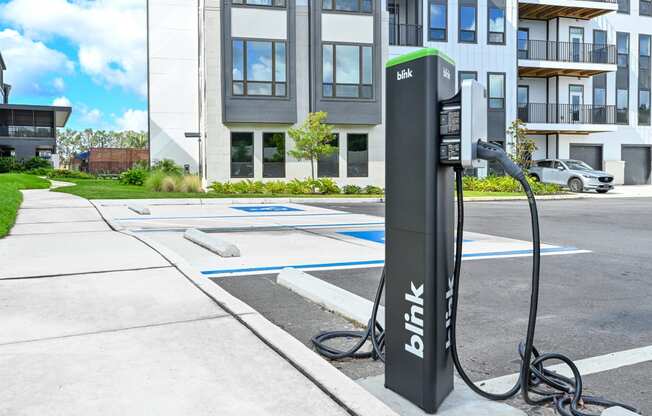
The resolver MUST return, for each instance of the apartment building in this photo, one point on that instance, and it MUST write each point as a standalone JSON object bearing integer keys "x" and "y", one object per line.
{"x": 27, "y": 131}
{"x": 577, "y": 72}
{"x": 241, "y": 72}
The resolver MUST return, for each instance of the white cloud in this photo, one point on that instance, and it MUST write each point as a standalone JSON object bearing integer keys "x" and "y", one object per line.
{"x": 61, "y": 102}
{"x": 110, "y": 35}
{"x": 91, "y": 116}
{"x": 28, "y": 62}
{"x": 59, "y": 84}
{"x": 134, "y": 120}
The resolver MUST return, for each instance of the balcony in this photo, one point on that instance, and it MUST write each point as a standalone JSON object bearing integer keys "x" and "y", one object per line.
{"x": 403, "y": 34}
{"x": 567, "y": 118}
{"x": 540, "y": 58}
{"x": 576, "y": 9}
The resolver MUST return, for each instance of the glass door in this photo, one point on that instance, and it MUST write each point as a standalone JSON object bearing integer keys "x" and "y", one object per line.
{"x": 523, "y": 43}
{"x": 523, "y": 101}
{"x": 576, "y": 100}
{"x": 576, "y": 43}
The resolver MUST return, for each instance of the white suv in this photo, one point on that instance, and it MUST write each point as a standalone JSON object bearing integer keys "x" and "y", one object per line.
{"x": 575, "y": 174}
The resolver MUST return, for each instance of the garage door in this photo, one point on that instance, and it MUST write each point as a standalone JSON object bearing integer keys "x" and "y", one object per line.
{"x": 591, "y": 155}
{"x": 637, "y": 165}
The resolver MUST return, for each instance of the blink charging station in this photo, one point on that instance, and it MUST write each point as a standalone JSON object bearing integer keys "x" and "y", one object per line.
{"x": 432, "y": 135}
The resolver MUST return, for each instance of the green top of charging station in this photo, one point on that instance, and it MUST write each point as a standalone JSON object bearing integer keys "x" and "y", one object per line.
{"x": 419, "y": 53}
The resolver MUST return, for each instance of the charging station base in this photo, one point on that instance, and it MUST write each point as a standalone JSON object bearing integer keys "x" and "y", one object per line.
{"x": 462, "y": 401}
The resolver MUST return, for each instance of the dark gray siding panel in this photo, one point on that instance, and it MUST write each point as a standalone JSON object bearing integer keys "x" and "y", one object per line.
{"x": 637, "y": 164}
{"x": 589, "y": 154}
{"x": 496, "y": 120}
{"x": 343, "y": 111}
{"x": 258, "y": 109}
{"x": 25, "y": 147}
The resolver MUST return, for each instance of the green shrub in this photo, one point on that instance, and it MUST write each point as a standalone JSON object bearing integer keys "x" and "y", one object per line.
{"x": 352, "y": 189}
{"x": 326, "y": 186}
{"x": 36, "y": 163}
{"x": 168, "y": 166}
{"x": 189, "y": 183}
{"x": 222, "y": 187}
{"x": 249, "y": 187}
{"x": 72, "y": 174}
{"x": 8, "y": 164}
{"x": 134, "y": 176}
{"x": 154, "y": 180}
{"x": 168, "y": 184}
{"x": 373, "y": 190}
{"x": 40, "y": 171}
{"x": 505, "y": 184}
{"x": 299, "y": 187}
{"x": 276, "y": 188}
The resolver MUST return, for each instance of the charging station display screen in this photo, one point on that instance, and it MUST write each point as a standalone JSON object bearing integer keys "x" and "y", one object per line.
{"x": 450, "y": 147}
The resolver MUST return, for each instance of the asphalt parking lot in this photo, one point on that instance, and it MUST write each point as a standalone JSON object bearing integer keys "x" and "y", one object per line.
{"x": 591, "y": 303}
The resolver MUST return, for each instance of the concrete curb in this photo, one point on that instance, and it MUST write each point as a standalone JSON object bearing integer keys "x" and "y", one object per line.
{"x": 211, "y": 243}
{"x": 139, "y": 209}
{"x": 331, "y": 297}
{"x": 230, "y": 201}
{"x": 342, "y": 389}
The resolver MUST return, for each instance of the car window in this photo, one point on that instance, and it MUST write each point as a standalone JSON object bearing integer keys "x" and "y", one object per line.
{"x": 557, "y": 165}
{"x": 544, "y": 164}
{"x": 578, "y": 165}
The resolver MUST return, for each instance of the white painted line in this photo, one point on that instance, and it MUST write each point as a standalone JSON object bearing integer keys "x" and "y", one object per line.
{"x": 217, "y": 245}
{"x": 331, "y": 297}
{"x": 358, "y": 309}
{"x": 617, "y": 411}
{"x": 586, "y": 366}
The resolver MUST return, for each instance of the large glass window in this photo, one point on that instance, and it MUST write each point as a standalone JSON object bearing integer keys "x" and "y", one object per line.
{"x": 645, "y": 8}
{"x": 622, "y": 78}
{"x": 468, "y": 22}
{"x": 275, "y": 3}
{"x": 437, "y": 28}
{"x": 644, "y": 80}
{"x": 329, "y": 166}
{"x": 273, "y": 155}
{"x": 242, "y": 155}
{"x": 357, "y": 156}
{"x": 259, "y": 68}
{"x": 623, "y": 6}
{"x": 496, "y": 91}
{"x": 347, "y": 71}
{"x": 364, "y": 6}
{"x": 496, "y": 15}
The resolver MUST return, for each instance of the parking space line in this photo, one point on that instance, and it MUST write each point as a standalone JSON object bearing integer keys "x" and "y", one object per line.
{"x": 202, "y": 217}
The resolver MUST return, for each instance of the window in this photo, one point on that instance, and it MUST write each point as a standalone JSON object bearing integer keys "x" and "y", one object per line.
{"x": 623, "y": 6}
{"x": 347, "y": 71}
{"x": 522, "y": 102}
{"x": 462, "y": 75}
{"x": 357, "y": 156}
{"x": 274, "y": 3}
{"x": 523, "y": 43}
{"x": 273, "y": 155}
{"x": 468, "y": 17}
{"x": 259, "y": 68}
{"x": 496, "y": 16}
{"x": 600, "y": 48}
{"x": 242, "y": 155}
{"x": 437, "y": 28}
{"x": 496, "y": 91}
{"x": 644, "y": 80}
{"x": 329, "y": 166}
{"x": 364, "y": 6}
{"x": 622, "y": 78}
{"x": 645, "y": 8}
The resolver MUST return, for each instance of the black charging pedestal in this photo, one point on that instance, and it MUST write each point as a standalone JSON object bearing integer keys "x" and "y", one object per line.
{"x": 419, "y": 229}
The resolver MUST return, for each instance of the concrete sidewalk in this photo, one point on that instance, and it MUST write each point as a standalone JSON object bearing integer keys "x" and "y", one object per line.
{"x": 96, "y": 322}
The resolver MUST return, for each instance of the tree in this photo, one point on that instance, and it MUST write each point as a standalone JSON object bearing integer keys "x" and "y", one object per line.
{"x": 523, "y": 146}
{"x": 72, "y": 142}
{"x": 312, "y": 139}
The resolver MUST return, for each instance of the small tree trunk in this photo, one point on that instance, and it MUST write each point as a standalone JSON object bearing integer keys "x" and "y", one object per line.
{"x": 312, "y": 168}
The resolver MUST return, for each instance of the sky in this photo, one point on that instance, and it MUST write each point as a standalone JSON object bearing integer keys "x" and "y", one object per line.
{"x": 87, "y": 54}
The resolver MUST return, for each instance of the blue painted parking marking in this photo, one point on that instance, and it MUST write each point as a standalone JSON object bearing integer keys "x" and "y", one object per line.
{"x": 267, "y": 208}
{"x": 377, "y": 236}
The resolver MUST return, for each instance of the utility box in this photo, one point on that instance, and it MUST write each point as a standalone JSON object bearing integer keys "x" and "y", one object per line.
{"x": 419, "y": 222}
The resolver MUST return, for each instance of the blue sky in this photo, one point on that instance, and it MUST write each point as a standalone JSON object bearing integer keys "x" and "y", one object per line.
{"x": 89, "y": 54}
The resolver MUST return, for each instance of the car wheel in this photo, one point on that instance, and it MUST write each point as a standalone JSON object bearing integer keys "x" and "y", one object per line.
{"x": 602, "y": 191}
{"x": 535, "y": 178}
{"x": 575, "y": 185}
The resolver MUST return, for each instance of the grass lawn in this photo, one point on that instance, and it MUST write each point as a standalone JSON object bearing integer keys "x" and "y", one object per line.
{"x": 11, "y": 198}
{"x": 111, "y": 189}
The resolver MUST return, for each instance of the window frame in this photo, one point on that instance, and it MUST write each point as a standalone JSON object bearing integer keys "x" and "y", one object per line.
{"x": 243, "y": 3}
{"x": 245, "y": 81}
{"x": 336, "y": 136}
{"x": 462, "y": 4}
{"x": 265, "y": 135}
{"x": 443, "y": 3}
{"x": 253, "y": 154}
{"x": 641, "y": 71}
{"x": 333, "y": 8}
{"x": 625, "y": 69}
{"x": 489, "y": 98}
{"x": 490, "y": 6}
{"x": 348, "y": 151}
{"x": 361, "y": 68}
{"x": 459, "y": 77}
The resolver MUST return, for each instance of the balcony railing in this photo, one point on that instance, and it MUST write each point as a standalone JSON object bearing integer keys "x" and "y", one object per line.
{"x": 592, "y": 53}
{"x": 26, "y": 131}
{"x": 567, "y": 113}
{"x": 403, "y": 34}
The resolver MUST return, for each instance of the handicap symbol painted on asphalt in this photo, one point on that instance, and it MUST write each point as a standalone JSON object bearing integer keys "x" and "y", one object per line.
{"x": 377, "y": 236}
{"x": 267, "y": 208}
